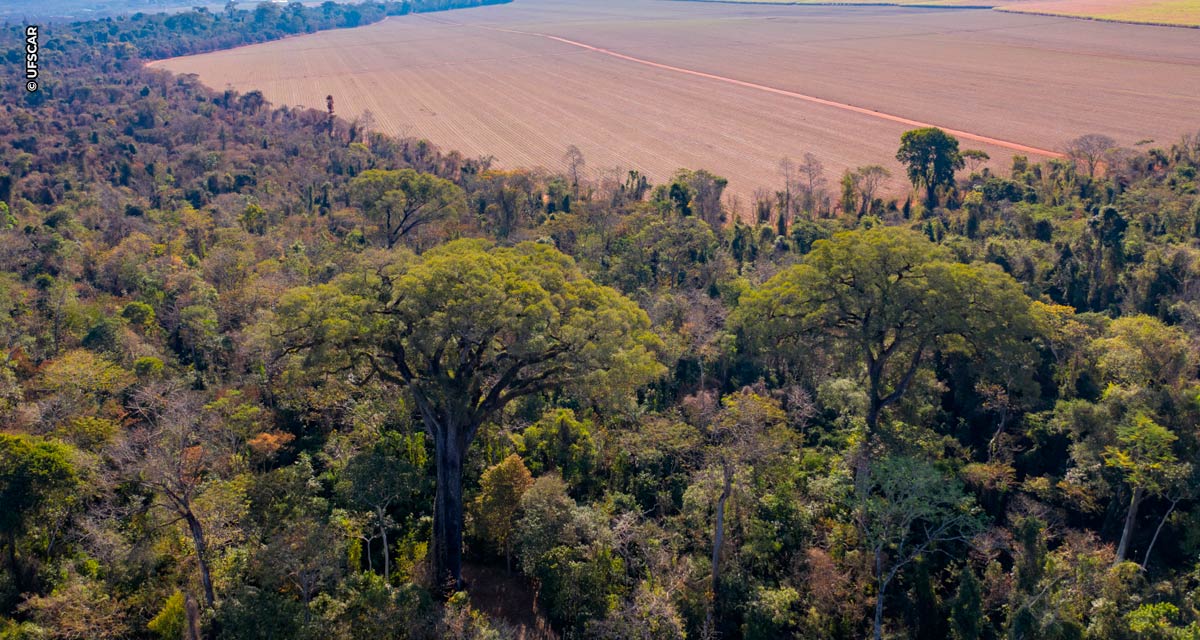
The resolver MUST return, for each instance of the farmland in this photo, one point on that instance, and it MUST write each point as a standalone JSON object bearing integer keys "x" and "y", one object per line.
{"x": 1173, "y": 12}
{"x": 1163, "y": 12}
{"x": 655, "y": 86}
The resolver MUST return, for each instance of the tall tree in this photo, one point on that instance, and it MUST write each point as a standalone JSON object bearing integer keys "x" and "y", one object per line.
{"x": 906, "y": 510}
{"x": 931, "y": 157}
{"x": 974, "y": 158}
{"x": 466, "y": 329}
{"x": 869, "y": 179}
{"x": 1089, "y": 150}
{"x": 967, "y": 618}
{"x": 746, "y": 430}
{"x": 575, "y": 166}
{"x": 810, "y": 178}
{"x": 174, "y": 453}
{"x": 882, "y": 300}
{"x": 400, "y": 201}
{"x": 1144, "y": 456}
{"x": 178, "y": 454}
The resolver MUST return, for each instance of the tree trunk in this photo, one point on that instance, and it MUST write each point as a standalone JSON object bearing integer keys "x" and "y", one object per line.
{"x": 193, "y": 617}
{"x": 370, "y": 562}
{"x": 387, "y": 558}
{"x": 878, "y": 628}
{"x": 719, "y": 539}
{"x": 996, "y": 436}
{"x": 1158, "y": 530}
{"x": 389, "y": 233}
{"x": 1127, "y": 533}
{"x": 448, "y": 511}
{"x": 13, "y": 565}
{"x": 873, "y": 415}
{"x": 201, "y": 558}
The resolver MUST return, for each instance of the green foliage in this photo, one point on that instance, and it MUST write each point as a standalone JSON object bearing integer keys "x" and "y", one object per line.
{"x": 931, "y": 157}
{"x": 547, "y": 520}
{"x": 579, "y": 584}
{"x": 773, "y": 613}
{"x": 259, "y": 614}
{"x": 967, "y": 619}
{"x": 1144, "y": 352}
{"x": 400, "y": 202}
{"x": 561, "y": 443}
{"x": 1143, "y": 455}
{"x": 882, "y": 300}
{"x": 365, "y": 606}
{"x": 171, "y": 620}
{"x": 34, "y": 474}
{"x": 200, "y": 317}
{"x": 12, "y": 630}
{"x": 139, "y": 314}
{"x": 88, "y": 432}
{"x": 1154, "y": 621}
{"x": 147, "y": 367}
{"x": 500, "y": 489}
{"x": 525, "y": 314}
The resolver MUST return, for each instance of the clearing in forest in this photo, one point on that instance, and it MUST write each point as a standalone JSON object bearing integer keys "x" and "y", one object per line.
{"x": 655, "y": 86}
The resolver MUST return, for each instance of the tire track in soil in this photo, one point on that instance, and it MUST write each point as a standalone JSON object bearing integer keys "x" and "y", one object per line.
{"x": 881, "y": 115}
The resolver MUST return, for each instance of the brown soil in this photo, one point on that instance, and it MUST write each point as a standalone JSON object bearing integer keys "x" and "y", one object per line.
{"x": 655, "y": 86}
{"x": 506, "y": 597}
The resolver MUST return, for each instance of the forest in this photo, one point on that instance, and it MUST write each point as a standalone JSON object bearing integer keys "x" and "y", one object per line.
{"x": 265, "y": 373}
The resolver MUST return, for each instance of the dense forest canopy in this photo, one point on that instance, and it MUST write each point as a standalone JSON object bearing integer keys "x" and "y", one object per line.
{"x": 265, "y": 373}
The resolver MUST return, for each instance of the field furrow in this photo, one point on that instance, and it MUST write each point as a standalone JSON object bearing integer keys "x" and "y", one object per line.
{"x": 656, "y": 86}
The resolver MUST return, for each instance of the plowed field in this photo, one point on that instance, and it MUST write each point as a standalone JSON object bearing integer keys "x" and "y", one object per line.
{"x": 657, "y": 85}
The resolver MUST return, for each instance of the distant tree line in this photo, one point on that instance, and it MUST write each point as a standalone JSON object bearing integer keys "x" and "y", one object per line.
{"x": 153, "y": 36}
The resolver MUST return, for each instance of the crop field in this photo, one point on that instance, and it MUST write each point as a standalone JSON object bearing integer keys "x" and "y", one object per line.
{"x": 1167, "y": 12}
{"x": 656, "y": 85}
{"x": 1175, "y": 12}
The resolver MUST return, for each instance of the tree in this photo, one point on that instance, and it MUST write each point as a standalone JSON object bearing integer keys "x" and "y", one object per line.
{"x": 171, "y": 621}
{"x": 500, "y": 491}
{"x": 907, "y": 509}
{"x": 1089, "y": 150}
{"x": 882, "y": 300}
{"x": 1142, "y": 351}
{"x": 650, "y": 615}
{"x": 34, "y": 474}
{"x": 974, "y": 158}
{"x": 575, "y": 165}
{"x": 787, "y": 171}
{"x": 850, "y": 188}
{"x": 737, "y": 439}
{"x": 466, "y": 329}
{"x": 177, "y": 454}
{"x": 559, "y": 442}
{"x": 966, "y": 609}
{"x": 547, "y": 513}
{"x": 304, "y": 555}
{"x": 696, "y": 193}
{"x": 400, "y": 201}
{"x": 1144, "y": 456}
{"x": 810, "y": 178}
{"x": 869, "y": 179}
{"x": 376, "y": 480}
{"x": 931, "y": 157}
